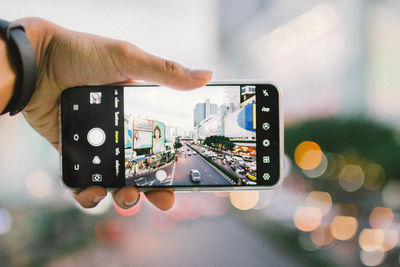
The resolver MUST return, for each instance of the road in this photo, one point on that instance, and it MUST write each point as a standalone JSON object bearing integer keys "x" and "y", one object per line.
{"x": 179, "y": 172}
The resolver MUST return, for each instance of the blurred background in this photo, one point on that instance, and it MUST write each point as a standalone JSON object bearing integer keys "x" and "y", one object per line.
{"x": 338, "y": 64}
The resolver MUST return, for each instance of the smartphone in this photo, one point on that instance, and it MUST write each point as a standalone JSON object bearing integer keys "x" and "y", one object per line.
{"x": 224, "y": 136}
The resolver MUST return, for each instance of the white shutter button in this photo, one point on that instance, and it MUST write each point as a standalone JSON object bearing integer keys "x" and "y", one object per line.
{"x": 96, "y": 137}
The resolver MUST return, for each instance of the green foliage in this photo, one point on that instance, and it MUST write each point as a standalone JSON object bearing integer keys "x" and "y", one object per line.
{"x": 371, "y": 140}
{"x": 219, "y": 141}
{"x": 177, "y": 144}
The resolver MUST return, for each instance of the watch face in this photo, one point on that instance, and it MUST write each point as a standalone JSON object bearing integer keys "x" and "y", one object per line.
{"x": 149, "y": 136}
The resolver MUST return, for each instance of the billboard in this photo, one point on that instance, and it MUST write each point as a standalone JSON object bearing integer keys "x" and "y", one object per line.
{"x": 158, "y": 137}
{"x": 142, "y": 139}
{"x": 142, "y": 124}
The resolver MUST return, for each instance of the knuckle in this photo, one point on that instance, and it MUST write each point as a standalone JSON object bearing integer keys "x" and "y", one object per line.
{"x": 172, "y": 66}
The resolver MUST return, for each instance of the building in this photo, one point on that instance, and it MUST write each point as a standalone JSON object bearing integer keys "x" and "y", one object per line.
{"x": 204, "y": 111}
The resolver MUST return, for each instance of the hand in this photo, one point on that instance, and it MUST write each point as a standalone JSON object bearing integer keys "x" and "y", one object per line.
{"x": 67, "y": 59}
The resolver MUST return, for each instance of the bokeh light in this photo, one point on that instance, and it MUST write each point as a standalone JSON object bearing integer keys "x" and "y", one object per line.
{"x": 266, "y": 197}
{"x": 307, "y": 218}
{"x": 244, "y": 200}
{"x": 390, "y": 239}
{"x": 109, "y": 231}
{"x": 351, "y": 178}
{"x": 308, "y": 155}
{"x": 38, "y": 184}
{"x": 128, "y": 212}
{"x": 319, "y": 170}
{"x": 5, "y": 221}
{"x": 371, "y": 239}
{"x": 381, "y": 217}
{"x": 372, "y": 258}
{"x": 321, "y": 200}
{"x": 343, "y": 227}
{"x": 374, "y": 176}
{"x": 391, "y": 193}
{"x": 322, "y": 235}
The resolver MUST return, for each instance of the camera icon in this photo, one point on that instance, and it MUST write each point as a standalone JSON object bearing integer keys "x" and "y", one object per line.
{"x": 97, "y": 177}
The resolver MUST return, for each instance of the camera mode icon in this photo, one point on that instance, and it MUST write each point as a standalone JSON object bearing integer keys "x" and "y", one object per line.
{"x": 97, "y": 177}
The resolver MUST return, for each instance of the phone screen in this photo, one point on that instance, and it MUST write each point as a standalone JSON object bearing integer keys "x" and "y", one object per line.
{"x": 151, "y": 136}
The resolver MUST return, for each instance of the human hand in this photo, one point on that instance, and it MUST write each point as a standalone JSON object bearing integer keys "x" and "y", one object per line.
{"x": 67, "y": 59}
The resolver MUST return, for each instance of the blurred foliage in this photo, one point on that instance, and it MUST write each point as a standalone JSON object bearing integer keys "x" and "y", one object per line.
{"x": 45, "y": 234}
{"x": 370, "y": 140}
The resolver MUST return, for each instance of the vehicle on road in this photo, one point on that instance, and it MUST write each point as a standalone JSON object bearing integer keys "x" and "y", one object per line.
{"x": 194, "y": 153}
{"x": 248, "y": 157}
{"x": 189, "y": 153}
{"x": 195, "y": 175}
{"x": 251, "y": 183}
{"x": 252, "y": 176}
{"x": 238, "y": 160}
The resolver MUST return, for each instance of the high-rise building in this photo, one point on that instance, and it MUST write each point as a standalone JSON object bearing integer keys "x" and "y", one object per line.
{"x": 204, "y": 111}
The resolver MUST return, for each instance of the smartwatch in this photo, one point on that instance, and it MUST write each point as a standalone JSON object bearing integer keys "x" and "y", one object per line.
{"x": 23, "y": 56}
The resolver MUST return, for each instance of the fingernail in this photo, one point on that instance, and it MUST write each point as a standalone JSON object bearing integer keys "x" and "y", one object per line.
{"x": 126, "y": 203}
{"x": 200, "y": 74}
{"x": 98, "y": 199}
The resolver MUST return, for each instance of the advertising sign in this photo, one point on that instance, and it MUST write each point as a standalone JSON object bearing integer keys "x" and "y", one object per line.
{"x": 128, "y": 138}
{"x": 142, "y": 124}
{"x": 158, "y": 137}
{"x": 142, "y": 139}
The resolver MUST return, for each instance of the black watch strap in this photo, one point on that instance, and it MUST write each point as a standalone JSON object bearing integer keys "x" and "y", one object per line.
{"x": 24, "y": 58}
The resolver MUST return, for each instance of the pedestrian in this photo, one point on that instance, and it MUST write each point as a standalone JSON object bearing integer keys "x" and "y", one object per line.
{"x": 55, "y": 58}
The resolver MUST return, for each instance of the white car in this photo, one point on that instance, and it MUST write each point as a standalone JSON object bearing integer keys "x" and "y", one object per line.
{"x": 195, "y": 176}
{"x": 194, "y": 153}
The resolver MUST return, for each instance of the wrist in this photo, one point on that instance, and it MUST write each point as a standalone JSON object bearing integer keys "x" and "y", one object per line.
{"x": 8, "y": 75}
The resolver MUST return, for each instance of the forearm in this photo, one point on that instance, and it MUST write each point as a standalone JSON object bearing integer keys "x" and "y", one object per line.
{"x": 7, "y": 76}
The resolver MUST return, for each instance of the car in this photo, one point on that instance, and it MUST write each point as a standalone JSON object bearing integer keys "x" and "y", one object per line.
{"x": 195, "y": 175}
{"x": 248, "y": 157}
{"x": 252, "y": 176}
{"x": 189, "y": 153}
{"x": 194, "y": 153}
{"x": 251, "y": 183}
{"x": 239, "y": 170}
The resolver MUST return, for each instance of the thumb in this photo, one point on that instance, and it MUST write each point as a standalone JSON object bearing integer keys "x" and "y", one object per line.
{"x": 140, "y": 65}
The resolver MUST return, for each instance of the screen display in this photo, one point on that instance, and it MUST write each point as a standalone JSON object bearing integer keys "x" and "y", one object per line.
{"x": 151, "y": 136}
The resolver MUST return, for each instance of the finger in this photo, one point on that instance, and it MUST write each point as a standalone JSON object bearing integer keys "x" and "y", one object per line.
{"x": 162, "y": 199}
{"x": 126, "y": 197}
{"x": 141, "y": 65}
{"x": 90, "y": 197}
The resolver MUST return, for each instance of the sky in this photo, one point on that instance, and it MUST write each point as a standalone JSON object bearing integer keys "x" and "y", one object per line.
{"x": 173, "y": 107}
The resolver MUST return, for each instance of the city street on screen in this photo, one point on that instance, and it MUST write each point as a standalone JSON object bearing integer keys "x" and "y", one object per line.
{"x": 201, "y": 137}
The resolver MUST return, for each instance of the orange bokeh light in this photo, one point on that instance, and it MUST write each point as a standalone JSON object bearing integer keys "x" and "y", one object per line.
{"x": 131, "y": 211}
{"x": 244, "y": 200}
{"x": 307, "y": 218}
{"x": 381, "y": 217}
{"x": 371, "y": 239}
{"x": 344, "y": 227}
{"x": 308, "y": 155}
{"x": 322, "y": 236}
{"x": 390, "y": 239}
{"x": 319, "y": 199}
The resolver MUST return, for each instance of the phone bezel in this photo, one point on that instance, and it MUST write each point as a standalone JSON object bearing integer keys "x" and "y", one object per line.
{"x": 207, "y": 188}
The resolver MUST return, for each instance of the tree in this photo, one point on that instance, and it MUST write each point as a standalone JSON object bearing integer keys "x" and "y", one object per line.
{"x": 219, "y": 141}
{"x": 177, "y": 144}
